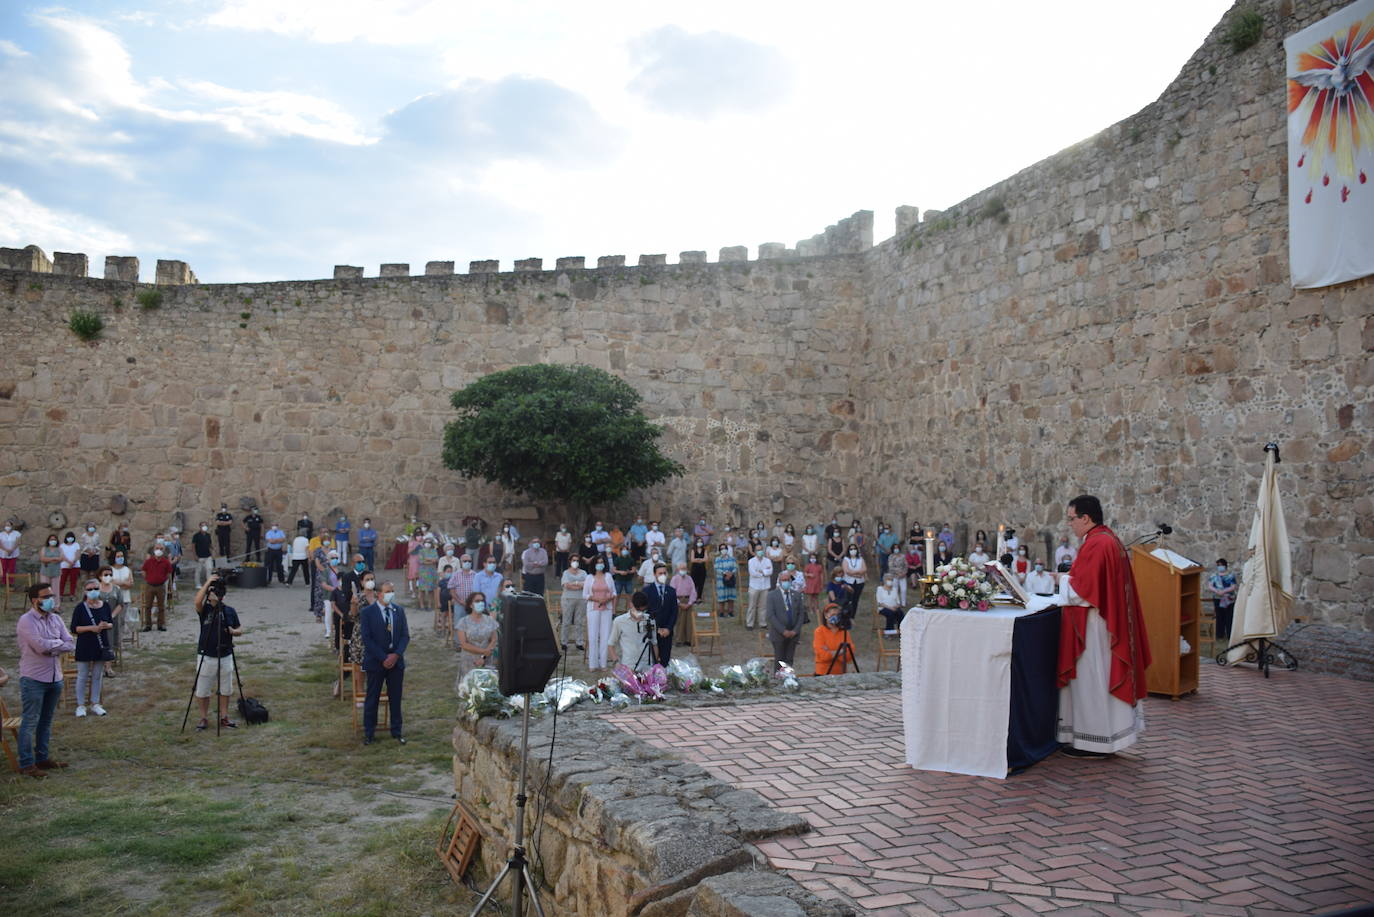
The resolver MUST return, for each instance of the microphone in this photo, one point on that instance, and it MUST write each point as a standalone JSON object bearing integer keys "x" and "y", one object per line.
{"x": 1164, "y": 528}
{"x": 1161, "y": 528}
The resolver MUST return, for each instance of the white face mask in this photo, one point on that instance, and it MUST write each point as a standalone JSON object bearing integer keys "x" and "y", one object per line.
{"x": 106, "y": 578}
{"x": 157, "y": 553}
{"x": 479, "y": 607}
{"x": 388, "y": 596}
{"x": 369, "y": 584}
{"x": 574, "y": 565}
{"x": 491, "y": 567}
{"x": 662, "y": 578}
{"x": 600, "y": 567}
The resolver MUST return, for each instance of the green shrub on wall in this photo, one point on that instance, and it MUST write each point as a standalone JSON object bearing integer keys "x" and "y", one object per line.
{"x": 150, "y": 299}
{"x": 1245, "y": 29}
{"x": 86, "y": 325}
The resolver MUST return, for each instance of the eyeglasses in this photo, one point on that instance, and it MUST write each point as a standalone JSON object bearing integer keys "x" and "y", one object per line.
{"x": 1071, "y": 516}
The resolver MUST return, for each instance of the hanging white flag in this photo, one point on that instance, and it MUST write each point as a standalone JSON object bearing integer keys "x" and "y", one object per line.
{"x": 1331, "y": 148}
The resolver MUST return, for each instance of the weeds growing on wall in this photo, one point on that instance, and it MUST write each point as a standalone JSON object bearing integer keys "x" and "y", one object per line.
{"x": 86, "y": 325}
{"x": 1245, "y": 29}
{"x": 996, "y": 209}
{"x": 150, "y": 299}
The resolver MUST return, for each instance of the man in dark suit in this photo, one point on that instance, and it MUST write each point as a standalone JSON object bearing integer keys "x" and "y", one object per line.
{"x": 663, "y": 609}
{"x": 385, "y": 638}
{"x": 786, "y": 615}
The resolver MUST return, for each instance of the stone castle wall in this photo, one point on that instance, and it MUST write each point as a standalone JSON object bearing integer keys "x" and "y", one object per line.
{"x": 1115, "y": 319}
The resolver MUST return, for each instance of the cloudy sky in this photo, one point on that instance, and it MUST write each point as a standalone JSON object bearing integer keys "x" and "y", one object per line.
{"x": 273, "y": 139}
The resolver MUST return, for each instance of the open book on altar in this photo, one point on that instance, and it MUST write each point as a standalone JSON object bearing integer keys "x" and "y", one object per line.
{"x": 1005, "y": 581}
{"x": 1174, "y": 559}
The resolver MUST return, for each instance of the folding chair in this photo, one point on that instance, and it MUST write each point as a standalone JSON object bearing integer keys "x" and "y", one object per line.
{"x": 9, "y": 730}
{"x": 68, "y": 677}
{"x": 17, "y": 588}
{"x": 707, "y": 628}
{"x": 888, "y": 647}
{"x": 346, "y": 670}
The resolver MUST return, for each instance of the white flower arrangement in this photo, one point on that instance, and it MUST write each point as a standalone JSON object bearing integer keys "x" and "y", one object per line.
{"x": 959, "y": 584}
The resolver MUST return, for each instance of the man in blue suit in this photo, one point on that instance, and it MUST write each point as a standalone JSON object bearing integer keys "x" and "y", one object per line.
{"x": 663, "y": 609}
{"x": 385, "y": 638}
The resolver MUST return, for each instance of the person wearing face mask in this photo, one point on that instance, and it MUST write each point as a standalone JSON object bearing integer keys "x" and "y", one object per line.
{"x": 305, "y": 527}
{"x": 855, "y": 575}
{"x": 654, "y": 538}
{"x": 385, "y": 639}
{"x": 252, "y": 534}
{"x": 588, "y": 552}
{"x": 43, "y": 638}
{"x": 275, "y": 539}
{"x": 838, "y": 592}
{"x": 1222, "y": 586}
{"x": 9, "y": 554}
{"x": 343, "y": 533}
{"x": 942, "y": 553}
{"x": 157, "y": 570}
{"x": 760, "y": 581}
{"x": 1039, "y": 581}
{"x": 1021, "y": 565}
{"x": 50, "y": 562}
{"x": 300, "y": 559}
{"x": 828, "y": 642}
{"x": 727, "y": 581}
{"x": 834, "y": 549}
{"x": 676, "y": 552}
{"x": 601, "y": 592}
{"x": 572, "y": 605}
{"x": 203, "y": 553}
{"x": 663, "y": 608}
{"x": 367, "y": 543}
{"x": 885, "y": 541}
{"x": 562, "y": 550}
{"x": 600, "y": 537}
{"x": 698, "y": 558}
{"x": 813, "y": 583}
{"x": 113, "y": 599}
{"x": 474, "y": 637}
{"x": 703, "y": 532}
{"x": 427, "y": 582}
{"x": 646, "y": 569}
{"x": 687, "y": 598}
{"x": 786, "y": 617}
{"x": 979, "y": 555}
{"x": 122, "y": 578}
{"x": 488, "y": 582}
{"x": 91, "y": 623}
{"x": 224, "y": 527}
{"x": 638, "y": 540}
{"x": 896, "y": 565}
{"x": 413, "y": 548}
{"x": 890, "y": 605}
{"x": 323, "y": 581}
{"x": 623, "y": 567}
{"x": 472, "y": 537}
{"x": 810, "y": 541}
{"x": 460, "y": 586}
{"x": 626, "y": 638}
{"x": 90, "y": 550}
{"x": 774, "y": 552}
{"x": 534, "y": 562}
{"x": 503, "y": 548}
{"x": 70, "y": 566}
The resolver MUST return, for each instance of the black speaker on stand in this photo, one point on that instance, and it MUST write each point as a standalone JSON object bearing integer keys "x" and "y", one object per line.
{"x": 529, "y": 656}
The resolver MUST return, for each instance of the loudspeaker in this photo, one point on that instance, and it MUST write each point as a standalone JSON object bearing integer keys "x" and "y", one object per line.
{"x": 529, "y": 649}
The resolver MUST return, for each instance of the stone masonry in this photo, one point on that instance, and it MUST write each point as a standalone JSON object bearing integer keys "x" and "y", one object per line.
{"x": 1114, "y": 319}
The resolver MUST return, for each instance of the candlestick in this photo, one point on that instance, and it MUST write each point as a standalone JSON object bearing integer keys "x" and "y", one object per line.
{"x": 930, "y": 552}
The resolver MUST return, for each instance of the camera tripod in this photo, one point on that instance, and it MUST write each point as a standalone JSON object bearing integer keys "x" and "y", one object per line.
{"x": 216, "y": 616}
{"x": 845, "y": 654}
{"x": 650, "y": 651}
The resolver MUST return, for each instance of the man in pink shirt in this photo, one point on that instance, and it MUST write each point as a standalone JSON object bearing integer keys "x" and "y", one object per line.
{"x": 43, "y": 638}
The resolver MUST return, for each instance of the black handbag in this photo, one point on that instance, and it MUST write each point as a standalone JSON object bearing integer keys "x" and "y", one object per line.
{"x": 252, "y": 711}
{"x": 107, "y": 653}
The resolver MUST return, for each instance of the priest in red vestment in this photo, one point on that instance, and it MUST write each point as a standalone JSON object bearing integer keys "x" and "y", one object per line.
{"x": 1103, "y": 652}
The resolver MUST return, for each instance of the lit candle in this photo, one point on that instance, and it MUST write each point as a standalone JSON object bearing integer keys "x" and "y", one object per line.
{"x": 930, "y": 552}
{"x": 1001, "y": 542}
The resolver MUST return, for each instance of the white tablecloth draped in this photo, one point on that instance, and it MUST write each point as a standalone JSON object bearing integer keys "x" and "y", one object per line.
{"x": 956, "y": 689}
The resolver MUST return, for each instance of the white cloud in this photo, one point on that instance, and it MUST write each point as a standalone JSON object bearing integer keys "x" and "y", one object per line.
{"x": 381, "y": 21}
{"x": 704, "y": 74}
{"x": 263, "y": 114}
{"x": 24, "y": 222}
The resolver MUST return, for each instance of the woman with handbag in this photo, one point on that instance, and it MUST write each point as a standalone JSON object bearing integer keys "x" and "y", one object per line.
{"x": 727, "y": 576}
{"x": 91, "y": 620}
{"x": 114, "y": 600}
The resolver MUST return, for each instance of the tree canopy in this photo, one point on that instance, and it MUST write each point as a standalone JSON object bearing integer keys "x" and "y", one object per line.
{"x": 556, "y": 433}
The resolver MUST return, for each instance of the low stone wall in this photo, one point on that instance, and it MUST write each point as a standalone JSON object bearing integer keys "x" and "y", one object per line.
{"x": 1331, "y": 650}
{"x": 625, "y": 829}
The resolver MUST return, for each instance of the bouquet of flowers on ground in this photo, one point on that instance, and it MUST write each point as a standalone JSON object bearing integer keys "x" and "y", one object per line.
{"x": 960, "y": 584}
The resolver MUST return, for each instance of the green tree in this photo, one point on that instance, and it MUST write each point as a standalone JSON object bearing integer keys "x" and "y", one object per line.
{"x": 571, "y": 434}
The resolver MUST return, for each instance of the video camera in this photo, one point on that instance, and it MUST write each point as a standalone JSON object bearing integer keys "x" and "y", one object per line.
{"x": 217, "y": 585}
{"x": 846, "y": 618}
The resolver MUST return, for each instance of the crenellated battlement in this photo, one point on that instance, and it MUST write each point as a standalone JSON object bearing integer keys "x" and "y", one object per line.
{"x": 850, "y": 236}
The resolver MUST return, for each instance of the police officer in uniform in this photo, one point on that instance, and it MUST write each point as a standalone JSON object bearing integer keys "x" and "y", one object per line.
{"x": 304, "y": 526}
{"x": 224, "y": 524}
{"x": 252, "y": 534}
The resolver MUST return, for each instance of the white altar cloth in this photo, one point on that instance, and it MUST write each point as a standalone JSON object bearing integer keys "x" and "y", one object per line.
{"x": 956, "y": 689}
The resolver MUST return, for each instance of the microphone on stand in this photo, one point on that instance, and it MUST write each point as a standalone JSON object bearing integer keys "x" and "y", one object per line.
{"x": 1161, "y": 528}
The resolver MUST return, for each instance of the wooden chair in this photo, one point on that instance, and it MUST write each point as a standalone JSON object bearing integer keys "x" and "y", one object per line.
{"x": 707, "y": 628}
{"x": 888, "y": 647}
{"x": 346, "y": 670}
{"x": 360, "y": 697}
{"x": 9, "y": 730}
{"x": 68, "y": 678}
{"x": 17, "y": 590}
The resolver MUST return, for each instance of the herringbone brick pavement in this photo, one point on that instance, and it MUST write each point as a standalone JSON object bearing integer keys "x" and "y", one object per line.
{"x": 1253, "y": 797}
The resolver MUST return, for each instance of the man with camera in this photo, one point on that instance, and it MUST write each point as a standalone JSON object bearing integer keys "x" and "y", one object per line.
{"x": 385, "y": 638}
{"x": 219, "y": 625}
{"x": 630, "y": 633}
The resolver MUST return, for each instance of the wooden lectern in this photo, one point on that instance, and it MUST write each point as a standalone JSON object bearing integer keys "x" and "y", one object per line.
{"x": 1171, "y": 601}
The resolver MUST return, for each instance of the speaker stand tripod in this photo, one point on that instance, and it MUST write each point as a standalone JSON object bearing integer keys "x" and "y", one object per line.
{"x": 517, "y": 866}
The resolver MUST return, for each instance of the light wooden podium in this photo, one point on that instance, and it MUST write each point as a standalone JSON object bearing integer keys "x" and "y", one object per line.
{"x": 1171, "y": 601}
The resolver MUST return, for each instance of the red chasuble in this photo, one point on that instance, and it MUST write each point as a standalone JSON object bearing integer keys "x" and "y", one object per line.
{"x": 1101, "y": 574}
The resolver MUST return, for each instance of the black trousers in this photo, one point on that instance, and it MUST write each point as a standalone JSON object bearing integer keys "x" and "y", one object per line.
{"x": 252, "y": 544}
{"x": 302, "y": 564}
{"x": 274, "y": 565}
{"x": 560, "y": 563}
{"x": 665, "y": 649}
{"x": 392, "y": 678}
{"x": 222, "y": 533}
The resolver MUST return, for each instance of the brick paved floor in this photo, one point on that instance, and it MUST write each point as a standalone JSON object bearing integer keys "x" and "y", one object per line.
{"x": 1251, "y": 798}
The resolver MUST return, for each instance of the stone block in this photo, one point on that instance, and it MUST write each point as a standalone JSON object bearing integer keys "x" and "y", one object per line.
{"x": 174, "y": 273}
{"x": 438, "y": 268}
{"x": 347, "y": 272}
{"x": 394, "y": 270}
{"x": 484, "y": 267}
{"x": 28, "y": 258}
{"x": 610, "y": 261}
{"x": 734, "y": 253}
{"x": 70, "y": 264}
{"x": 121, "y": 267}
{"x": 652, "y": 260}
{"x": 770, "y": 251}
{"x": 571, "y": 264}
{"x": 697, "y": 257}
{"x": 529, "y": 264}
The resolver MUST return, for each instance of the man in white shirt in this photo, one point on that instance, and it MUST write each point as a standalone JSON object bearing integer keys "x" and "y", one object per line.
{"x": 760, "y": 581}
{"x": 655, "y": 538}
{"x": 1064, "y": 555}
{"x": 979, "y": 556}
{"x": 627, "y": 639}
{"x": 300, "y": 553}
{"x": 1040, "y": 581}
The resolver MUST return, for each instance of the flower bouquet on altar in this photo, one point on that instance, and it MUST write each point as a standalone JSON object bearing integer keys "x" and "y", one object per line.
{"x": 959, "y": 584}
